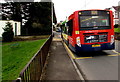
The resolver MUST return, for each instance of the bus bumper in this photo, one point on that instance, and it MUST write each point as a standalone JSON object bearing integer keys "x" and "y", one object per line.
{"x": 105, "y": 46}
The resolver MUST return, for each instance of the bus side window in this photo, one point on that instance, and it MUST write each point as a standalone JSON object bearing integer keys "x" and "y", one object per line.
{"x": 70, "y": 27}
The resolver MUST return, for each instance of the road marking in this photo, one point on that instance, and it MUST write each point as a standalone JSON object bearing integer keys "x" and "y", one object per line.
{"x": 72, "y": 55}
{"x": 83, "y": 57}
{"x": 56, "y": 39}
{"x": 118, "y": 53}
{"x": 78, "y": 70}
{"x": 114, "y": 55}
{"x": 115, "y": 51}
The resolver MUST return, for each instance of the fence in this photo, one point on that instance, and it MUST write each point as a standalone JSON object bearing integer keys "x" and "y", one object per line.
{"x": 33, "y": 70}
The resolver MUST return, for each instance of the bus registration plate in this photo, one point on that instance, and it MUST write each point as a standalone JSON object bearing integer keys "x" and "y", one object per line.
{"x": 96, "y": 45}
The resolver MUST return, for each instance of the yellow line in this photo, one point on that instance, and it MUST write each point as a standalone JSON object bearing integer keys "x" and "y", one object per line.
{"x": 114, "y": 55}
{"x": 65, "y": 36}
{"x": 118, "y": 53}
{"x": 83, "y": 57}
{"x": 72, "y": 55}
{"x": 55, "y": 39}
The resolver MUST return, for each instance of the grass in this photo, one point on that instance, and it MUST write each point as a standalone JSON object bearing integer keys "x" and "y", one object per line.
{"x": 117, "y": 30}
{"x": 15, "y": 57}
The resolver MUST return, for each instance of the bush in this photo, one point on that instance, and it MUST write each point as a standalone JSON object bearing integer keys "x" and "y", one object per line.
{"x": 8, "y": 34}
{"x": 116, "y": 26}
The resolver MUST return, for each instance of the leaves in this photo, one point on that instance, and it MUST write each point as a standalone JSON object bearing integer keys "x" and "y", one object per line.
{"x": 8, "y": 32}
{"x": 37, "y": 16}
{"x": 8, "y": 27}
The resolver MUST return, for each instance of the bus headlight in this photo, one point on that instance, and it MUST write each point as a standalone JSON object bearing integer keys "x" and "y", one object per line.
{"x": 78, "y": 41}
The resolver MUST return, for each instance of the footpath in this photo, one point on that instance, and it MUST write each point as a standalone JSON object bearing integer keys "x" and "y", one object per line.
{"x": 59, "y": 66}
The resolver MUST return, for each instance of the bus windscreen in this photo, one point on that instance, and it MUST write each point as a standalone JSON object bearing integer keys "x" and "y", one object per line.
{"x": 94, "y": 21}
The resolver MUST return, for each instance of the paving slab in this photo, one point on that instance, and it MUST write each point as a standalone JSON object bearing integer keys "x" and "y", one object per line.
{"x": 60, "y": 66}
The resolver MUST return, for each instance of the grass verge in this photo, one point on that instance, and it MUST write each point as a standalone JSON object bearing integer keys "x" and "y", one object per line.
{"x": 117, "y": 30}
{"x": 16, "y": 55}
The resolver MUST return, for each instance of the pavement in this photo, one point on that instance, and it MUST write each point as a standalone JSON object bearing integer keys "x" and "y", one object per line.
{"x": 99, "y": 66}
{"x": 60, "y": 67}
{"x": 117, "y": 43}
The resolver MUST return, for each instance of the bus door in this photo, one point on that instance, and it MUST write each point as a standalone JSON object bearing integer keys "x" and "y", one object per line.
{"x": 70, "y": 34}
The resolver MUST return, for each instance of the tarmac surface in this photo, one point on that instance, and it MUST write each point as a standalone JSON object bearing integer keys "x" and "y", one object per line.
{"x": 98, "y": 66}
{"x": 60, "y": 66}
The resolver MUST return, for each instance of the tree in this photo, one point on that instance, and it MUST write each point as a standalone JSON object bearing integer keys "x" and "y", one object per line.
{"x": 116, "y": 26}
{"x": 35, "y": 17}
{"x": 40, "y": 21}
{"x": 8, "y": 34}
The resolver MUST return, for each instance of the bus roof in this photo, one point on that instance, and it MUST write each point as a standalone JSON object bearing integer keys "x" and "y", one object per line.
{"x": 86, "y": 10}
{"x": 92, "y": 9}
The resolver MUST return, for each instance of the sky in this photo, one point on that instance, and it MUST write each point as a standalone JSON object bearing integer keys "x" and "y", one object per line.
{"x": 63, "y": 8}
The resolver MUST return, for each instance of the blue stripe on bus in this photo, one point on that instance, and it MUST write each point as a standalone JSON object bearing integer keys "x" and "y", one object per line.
{"x": 105, "y": 46}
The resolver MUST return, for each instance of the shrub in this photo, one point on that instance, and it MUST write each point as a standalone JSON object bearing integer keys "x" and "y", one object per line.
{"x": 8, "y": 34}
{"x": 116, "y": 26}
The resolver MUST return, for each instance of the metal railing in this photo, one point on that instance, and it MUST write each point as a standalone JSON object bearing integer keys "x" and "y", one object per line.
{"x": 33, "y": 70}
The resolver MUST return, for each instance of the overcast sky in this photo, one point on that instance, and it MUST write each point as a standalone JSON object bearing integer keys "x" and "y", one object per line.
{"x": 64, "y": 8}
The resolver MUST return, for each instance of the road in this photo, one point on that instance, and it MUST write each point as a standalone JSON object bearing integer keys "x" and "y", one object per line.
{"x": 98, "y": 65}
{"x": 101, "y": 67}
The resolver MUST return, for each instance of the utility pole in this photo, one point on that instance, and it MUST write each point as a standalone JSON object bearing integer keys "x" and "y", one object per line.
{"x": 85, "y": 4}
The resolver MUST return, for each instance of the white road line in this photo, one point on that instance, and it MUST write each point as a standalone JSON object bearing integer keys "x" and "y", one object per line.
{"x": 115, "y": 52}
{"x": 76, "y": 68}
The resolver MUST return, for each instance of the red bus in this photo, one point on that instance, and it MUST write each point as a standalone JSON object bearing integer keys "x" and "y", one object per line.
{"x": 89, "y": 30}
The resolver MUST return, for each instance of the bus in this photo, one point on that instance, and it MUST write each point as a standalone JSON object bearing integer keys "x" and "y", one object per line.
{"x": 89, "y": 30}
